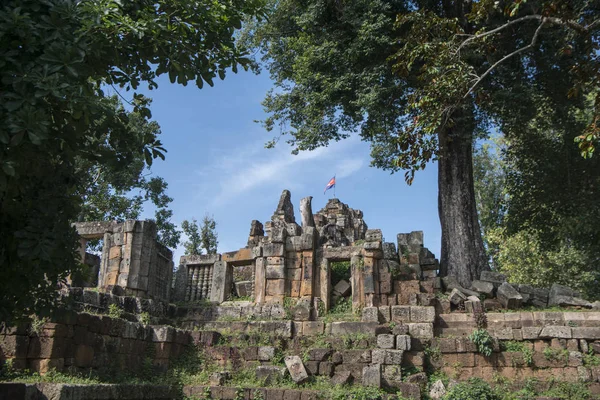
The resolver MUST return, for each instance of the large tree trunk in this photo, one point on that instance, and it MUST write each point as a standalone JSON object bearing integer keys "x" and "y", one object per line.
{"x": 463, "y": 254}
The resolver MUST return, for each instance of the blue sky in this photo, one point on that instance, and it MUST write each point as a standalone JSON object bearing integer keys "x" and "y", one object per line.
{"x": 217, "y": 164}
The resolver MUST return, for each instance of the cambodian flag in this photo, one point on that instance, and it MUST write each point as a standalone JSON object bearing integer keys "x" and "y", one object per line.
{"x": 330, "y": 184}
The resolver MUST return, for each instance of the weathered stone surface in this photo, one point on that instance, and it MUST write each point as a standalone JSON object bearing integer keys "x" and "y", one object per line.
{"x": 221, "y": 282}
{"x": 438, "y": 390}
{"x": 266, "y": 353}
{"x": 373, "y": 235}
{"x": 285, "y": 208}
{"x": 400, "y": 313}
{"x": 508, "y": 296}
{"x": 389, "y": 251}
{"x": 344, "y": 328}
{"x": 386, "y": 341}
{"x": 496, "y": 278}
{"x": 560, "y": 332}
{"x": 421, "y": 330}
{"x": 342, "y": 288}
{"x": 403, "y": 342}
{"x": 483, "y": 287}
{"x": 296, "y": 369}
{"x": 370, "y": 314}
{"x": 269, "y": 373}
{"x": 568, "y": 301}
{"x": 371, "y": 375}
{"x": 341, "y": 378}
{"x": 243, "y": 288}
{"x": 422, "y": 314}
{"x": 591, "y": 333}
{"x": 456, "y": 297}
{"x": 473, "y": 304}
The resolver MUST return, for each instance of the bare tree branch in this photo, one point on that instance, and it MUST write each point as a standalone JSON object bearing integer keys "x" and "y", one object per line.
{"x": 498, "y": 29}
{"x": 514, "y": 53}
{"x": 553, "y": 20}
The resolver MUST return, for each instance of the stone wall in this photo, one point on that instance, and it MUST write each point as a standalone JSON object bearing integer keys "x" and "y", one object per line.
{"x": 132, "y": 261}
{"x": 59, "y": 391}
{"x": 83, "y": 341}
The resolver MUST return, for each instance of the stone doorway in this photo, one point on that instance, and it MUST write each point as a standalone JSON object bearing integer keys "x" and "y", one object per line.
{"x": 341, "y": 287}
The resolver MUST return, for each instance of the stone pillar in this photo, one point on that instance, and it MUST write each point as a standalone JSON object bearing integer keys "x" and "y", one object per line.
{"x": 325, "y": 283}
{"x": 356, "y": 281}
{"x": 221, "y": 282}
{"x": 180, "y": 283}
{"x": 102, "y": 280}
{"x": 260, "y": 280}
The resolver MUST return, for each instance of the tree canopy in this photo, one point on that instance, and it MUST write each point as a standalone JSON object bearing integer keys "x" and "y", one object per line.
{"x": 56, "y": 57}
{"x": 421, "y": 80}
{"x": 200, "y": 237}
{"x": 538, "y": 204}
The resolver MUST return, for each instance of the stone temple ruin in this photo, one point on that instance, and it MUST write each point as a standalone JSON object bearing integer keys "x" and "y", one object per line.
{"x": 274, "y": 308}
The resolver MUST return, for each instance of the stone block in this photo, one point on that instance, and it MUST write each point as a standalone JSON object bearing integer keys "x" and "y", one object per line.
{"x": 342, "y": 288}
{"x": 400, "y": 314}
{"x": 591, "y": 333}
{"x": 391, "y": 375}
{"x": 456, "y": 297}
{"x": 221, "y": 282}
{"x": 269, "y": 373}
{"x": 356, "y": 356}
{"x": 422, "y": 314}
{"x": 341, "y": 378}
{"x": 508, "y": 296}
{"x": 384, "y": 313}
{"x": 312, "y": 328}
{"x": 273, "y": 250}
{"x": 345, "y": 328}
{"x": 373, "y": 235}
{"x": 370, "y": 314}
{"x": 275, "y": 271}
{"x": 326, "y": 368}
{"x": 371, "y": 375}
{"x": 275, "y": 287}
{"x": 243, "y": 288}
{"x": 296, "y": 369}
{"x": 386, "y": 341}
{"x": 266, "y": 353}
{"x": 319, "y": 354}
{"x": 421, "y": 330}
{"x": 560, "y": 332}
{"x": 483, "y": 287}
{"x": 403, "y": 342}
{"x": 495, "y": 278}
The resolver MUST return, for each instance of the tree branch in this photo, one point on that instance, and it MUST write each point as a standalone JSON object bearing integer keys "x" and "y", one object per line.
{"x": 498, "y": 29}
{"x": 553, "y": 20}
{"x": 514, "y": 53}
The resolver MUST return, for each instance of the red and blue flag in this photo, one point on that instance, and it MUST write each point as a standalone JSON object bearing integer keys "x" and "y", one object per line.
{"x": 330, "y": 184}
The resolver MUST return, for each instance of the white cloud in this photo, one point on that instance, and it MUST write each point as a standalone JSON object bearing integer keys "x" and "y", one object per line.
{"x": 251, "y": 167}
{"x": 348, "y": 166}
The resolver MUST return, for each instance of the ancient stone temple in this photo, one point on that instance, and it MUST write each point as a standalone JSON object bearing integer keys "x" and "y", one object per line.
{"x": 284, "y": 259}
{"x": 322, "y": 300}
{"x": 132, "y": 262}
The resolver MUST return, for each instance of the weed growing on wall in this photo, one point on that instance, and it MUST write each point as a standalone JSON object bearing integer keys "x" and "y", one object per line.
{"x": 484, "y": 342}
{"x": 114, "y": 311}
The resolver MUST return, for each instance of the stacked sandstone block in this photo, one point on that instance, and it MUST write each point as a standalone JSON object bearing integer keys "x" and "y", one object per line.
{"x": 89, "y": 341}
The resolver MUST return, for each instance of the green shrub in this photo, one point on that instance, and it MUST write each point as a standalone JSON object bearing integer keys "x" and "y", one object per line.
{"x": 484, "y": 342}
{"x": 114, "y": 311}
{"x": 473, "y": 389}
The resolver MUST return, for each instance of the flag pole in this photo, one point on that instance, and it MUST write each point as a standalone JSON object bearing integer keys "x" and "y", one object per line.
{"x": 334, "y": 185}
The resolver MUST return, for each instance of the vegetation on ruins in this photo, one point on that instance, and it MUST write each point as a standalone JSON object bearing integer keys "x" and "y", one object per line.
{"x": 422, "y": 80}
{"x": 111, "y": 192}
{"x": 537, "y": 202}
{"x": 57, "y": 59}
{"x": 200, "y": 238}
